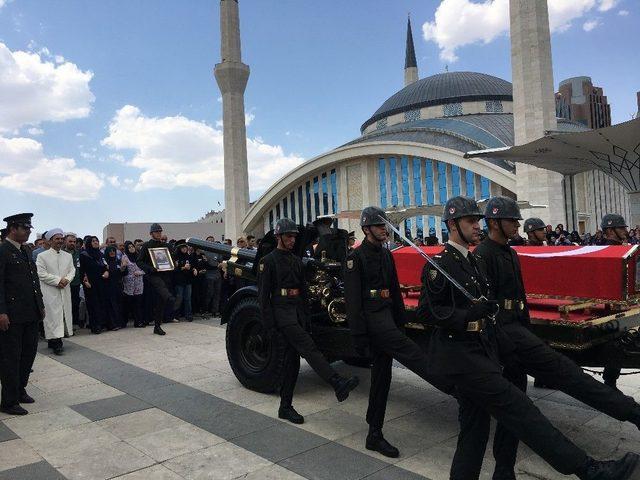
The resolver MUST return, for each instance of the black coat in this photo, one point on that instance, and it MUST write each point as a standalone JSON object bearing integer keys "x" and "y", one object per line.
{"x": 502, "y": 268}
{"x": 277, "y": 270}
{"x": 144, "y": 258}
{"x": 20, "y": 295}
{"x": 453, "y": 350}
{"x": 370, "y": 267}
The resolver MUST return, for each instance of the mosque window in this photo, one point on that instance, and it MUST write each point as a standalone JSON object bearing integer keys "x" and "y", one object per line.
{"x": 270, "y": 219}
{"x": 382, "y": 178}
{"x": 442, "y": 188}
{"x": 292, "y": 199}
{"x": 428, "y": 171}
{"x": 285, "y": 208}
{"x": 471, "y": 185}
{"x": 493, "y": 106}
{"x": 485, "y": 191}
{"x": 382, "y": 123}
{"x": 325, "y": 195}
{"x": 278, "y": 211}
{"x": 452, "y": 109}
{"x": 417, "y": 193}
{"x": 393, "y": 174}
{"x": 308, "y": 195}
{"x": 334, "y": 192}
{"x": 404, "y": 170}
{"x": 455, "y": 180}
{"x": 300, "y": 206}
{"x": 412, "y": 115}
{"x": 316, "y": 195}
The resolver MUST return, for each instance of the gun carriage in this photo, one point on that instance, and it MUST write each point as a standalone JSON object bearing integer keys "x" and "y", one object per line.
{"x": 584, "y": 301}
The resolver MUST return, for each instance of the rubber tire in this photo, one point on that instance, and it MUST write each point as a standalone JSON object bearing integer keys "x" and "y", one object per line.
{"x": 261, "y": 369}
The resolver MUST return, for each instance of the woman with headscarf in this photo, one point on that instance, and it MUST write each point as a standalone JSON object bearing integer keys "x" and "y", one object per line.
{"x": 183, "y": 279}
{"x": 113, "y": 292}
{"x": 132, "y": 287}
{"x": 94, "y": 272}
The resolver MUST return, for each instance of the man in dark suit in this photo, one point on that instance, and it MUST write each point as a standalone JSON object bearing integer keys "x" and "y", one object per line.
{"x": 21, "y": 310}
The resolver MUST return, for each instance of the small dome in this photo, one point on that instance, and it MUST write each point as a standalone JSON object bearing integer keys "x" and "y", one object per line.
{"x": 441, "y": 89}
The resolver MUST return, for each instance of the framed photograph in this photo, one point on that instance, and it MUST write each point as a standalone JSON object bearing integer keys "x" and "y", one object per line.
{"x": 161, "y": 259}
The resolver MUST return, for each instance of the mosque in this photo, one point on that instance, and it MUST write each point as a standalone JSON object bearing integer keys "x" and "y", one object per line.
{"x": 410, "y": 152}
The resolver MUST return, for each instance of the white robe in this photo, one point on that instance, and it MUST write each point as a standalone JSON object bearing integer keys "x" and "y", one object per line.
{"x": 58, "y": 316}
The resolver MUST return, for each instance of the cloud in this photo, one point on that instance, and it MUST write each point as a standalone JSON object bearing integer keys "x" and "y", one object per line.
{"x": 113, "y": 180}
{"x": 35, "y": 131}
{"x": 34, "y": 90}
{"x": 590, "y": 25}
{"x": 606, "y": 5}
{"x": 25, "y": 168}
{"x": 248, "y": 118}
{"x": 623, "y": 13}
{"x": 180, "y": 152}
{"x": 458, "y": 23}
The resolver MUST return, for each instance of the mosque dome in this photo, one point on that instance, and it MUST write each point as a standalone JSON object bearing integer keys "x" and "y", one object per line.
{"x": 441, "y": 89}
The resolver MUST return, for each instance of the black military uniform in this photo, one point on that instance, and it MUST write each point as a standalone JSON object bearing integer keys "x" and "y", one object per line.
{"x": 527, "y": 353}
{"x": 281, "y": 295}
{"x": 160, "y": 282}
{"x": 376, "y": 315}
{"x": 531, "y": 225}
{"x": 464, "y": 350}
{"x": 613, "y": 221}
{"x": 21, "y": 301}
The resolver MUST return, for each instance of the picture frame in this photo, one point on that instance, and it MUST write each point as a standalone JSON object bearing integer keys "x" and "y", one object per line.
{"x": 161, "y": 259}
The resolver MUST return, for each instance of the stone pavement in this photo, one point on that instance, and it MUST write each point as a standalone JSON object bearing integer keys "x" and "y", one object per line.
{"x": 133, "y": 405}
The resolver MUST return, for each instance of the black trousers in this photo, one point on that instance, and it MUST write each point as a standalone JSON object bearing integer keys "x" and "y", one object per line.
{"x": 132, "y": 308}
{"x": 484, "y": 394}
{"x": 94, "y": 299}
{"x": 534, "y": 357}
{"x": 300, "y": 344}
{"x": 75, "y": 304}
{"x": 211, "y": 295}
{"x": 18, "y": 346}
{"x": 162, "y": 297}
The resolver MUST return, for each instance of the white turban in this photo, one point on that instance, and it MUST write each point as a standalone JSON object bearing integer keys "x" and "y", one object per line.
{"x": 52, "y": 232}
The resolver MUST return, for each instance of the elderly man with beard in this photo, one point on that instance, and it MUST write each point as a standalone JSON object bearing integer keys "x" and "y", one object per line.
{"x": 56, "y": 271}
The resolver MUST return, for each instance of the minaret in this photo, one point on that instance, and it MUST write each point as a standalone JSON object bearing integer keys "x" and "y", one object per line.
{"x": 232, "y": 75}
{"x": 410, "y": 64}
{"x": 534, "y": 104}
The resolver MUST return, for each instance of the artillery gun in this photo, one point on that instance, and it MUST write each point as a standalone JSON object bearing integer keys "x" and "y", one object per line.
{"x": 593, "y": 320}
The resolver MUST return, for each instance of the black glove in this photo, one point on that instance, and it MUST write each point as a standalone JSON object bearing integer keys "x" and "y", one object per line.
{"x": 481, "y": 309}
{"x": 361, "y": 345}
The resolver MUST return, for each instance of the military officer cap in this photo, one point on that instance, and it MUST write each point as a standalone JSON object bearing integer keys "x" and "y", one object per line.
{"x": 502, "y": 207}
{"x": 532, "y": 224}
{"x": 372, "y": 216}
{"x": 458, "y": 207}
{"x": 285, "y": 225}
{"x": 613, "y": 220}
{"x": 20, "y": 220}
{"x": 155, "y": 227}
{"x": 181, "y": 243}
{"x": 323, "y": 219}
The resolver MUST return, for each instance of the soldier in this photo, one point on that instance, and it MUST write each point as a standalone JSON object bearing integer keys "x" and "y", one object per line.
{"x": 281, "y": 295}
{"x": 615, "y": 230}
{"x": 464, "y": 350}
{"x": 523, "y": 352}
{"x": 21, "y": 310}
{"x": 160, "y": 282}
{"x": 536, "y": 232}
{"x": 375, "y": 311}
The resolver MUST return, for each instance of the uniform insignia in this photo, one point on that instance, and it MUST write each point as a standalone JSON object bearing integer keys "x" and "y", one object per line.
{"x": 452, "y": 210}
{"x": 433, "y": 274}
{"x": 609, "y": 222}
{"x": 350, "y": 264}
{"x": 262, "y": 267}
{"x": 495, "y": 210}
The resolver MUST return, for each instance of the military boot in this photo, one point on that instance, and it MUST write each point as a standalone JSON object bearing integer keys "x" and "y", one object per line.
{"x": 377, "y": 443}
{"x": 287, "y": 412}
{"x": 623, "y": 469}
{"x": 343, "y": 386}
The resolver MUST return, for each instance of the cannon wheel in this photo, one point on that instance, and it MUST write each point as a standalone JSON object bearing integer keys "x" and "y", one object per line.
{"x": 256, "y": 359}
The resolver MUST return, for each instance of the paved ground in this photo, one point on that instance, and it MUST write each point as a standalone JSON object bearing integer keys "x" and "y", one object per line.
{"x": 133, "y": 405}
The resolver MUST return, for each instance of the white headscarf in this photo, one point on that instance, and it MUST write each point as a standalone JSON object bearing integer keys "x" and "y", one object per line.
{"x": 52, "y": 232}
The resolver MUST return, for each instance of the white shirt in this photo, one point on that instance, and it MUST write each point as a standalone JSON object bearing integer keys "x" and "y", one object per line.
{"x": 463, "y": 250}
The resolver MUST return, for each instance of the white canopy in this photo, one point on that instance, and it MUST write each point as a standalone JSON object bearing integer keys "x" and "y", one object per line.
{"x": 613, "y": 150}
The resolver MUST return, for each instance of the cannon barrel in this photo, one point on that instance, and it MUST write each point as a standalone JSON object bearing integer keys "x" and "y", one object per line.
{"x": 239, "y": 261}
{"x": 226, "y": 251}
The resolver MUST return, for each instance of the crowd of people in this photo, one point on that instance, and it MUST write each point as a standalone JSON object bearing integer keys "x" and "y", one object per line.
{"x": 109, "y": 286}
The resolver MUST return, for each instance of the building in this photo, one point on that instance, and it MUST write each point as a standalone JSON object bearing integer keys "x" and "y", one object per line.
{"x": 210, "y": 224}
{"x": 579, "y": 100}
